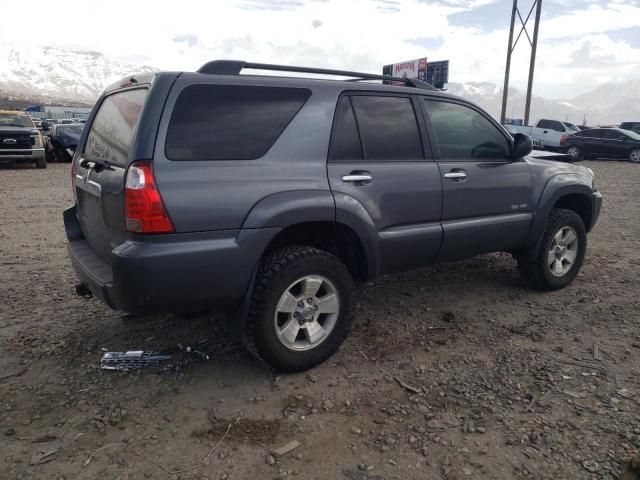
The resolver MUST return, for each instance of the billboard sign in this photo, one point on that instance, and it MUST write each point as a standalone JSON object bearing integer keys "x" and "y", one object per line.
{"x": 410, "y": 69}
{"x": 435, "y": 73}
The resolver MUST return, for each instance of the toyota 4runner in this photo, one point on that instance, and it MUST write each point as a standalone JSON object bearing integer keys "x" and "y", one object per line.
{"x": 270, "y": 197}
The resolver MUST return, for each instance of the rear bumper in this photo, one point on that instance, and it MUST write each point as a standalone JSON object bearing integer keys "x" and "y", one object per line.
{"x": 169, "y": 273}
{"x": 30, "y": 155}
{"x": 596, "y": 204}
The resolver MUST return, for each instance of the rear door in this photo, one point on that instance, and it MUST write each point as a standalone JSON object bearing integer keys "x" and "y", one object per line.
{"x": 613, "y": 143}
{"x": 487, "y": 203}
{"x": 99, "y": 170}
{"x": 380, "y": 158}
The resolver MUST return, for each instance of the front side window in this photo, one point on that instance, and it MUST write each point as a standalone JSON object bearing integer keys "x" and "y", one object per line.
{"x": 230, "y": 122}
{"x": 388, "y": 128}
{"x": 465, "y": 134}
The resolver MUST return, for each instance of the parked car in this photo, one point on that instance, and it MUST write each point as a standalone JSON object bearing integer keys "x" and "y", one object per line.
{"x": 63, "y": 139}
{"x": 603, "y": 143}
{"x": 633, "y": 126}
{"x": 549, "y": 132}
{"x": 269, "y": 197}
{"x": 536, "y": 144}
{"x": 584, "y": 127}
{"x": 20, "y": 140}
{"x": 66, "y": 121}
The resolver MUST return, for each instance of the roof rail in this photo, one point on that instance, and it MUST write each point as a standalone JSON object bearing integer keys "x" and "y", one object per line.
{"x": 234, "y": 67}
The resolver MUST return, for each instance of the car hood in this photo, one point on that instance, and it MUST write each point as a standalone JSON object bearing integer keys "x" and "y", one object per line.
{"x": 68, "y": 138}
{"x": 18, "y": 130}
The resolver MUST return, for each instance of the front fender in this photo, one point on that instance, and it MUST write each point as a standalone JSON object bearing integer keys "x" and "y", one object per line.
{"x": 555, "y": 188}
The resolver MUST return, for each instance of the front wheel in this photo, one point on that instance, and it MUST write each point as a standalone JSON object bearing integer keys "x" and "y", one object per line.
{"x": 575, "y": 153}
{"x": 560, "y": 254}
{"x": 634, "y": 156}
{"x": 301, "y": 308}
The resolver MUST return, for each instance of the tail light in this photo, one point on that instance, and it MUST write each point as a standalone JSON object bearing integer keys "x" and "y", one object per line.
{"x": 143, "y": 208}
{"x": 564, "y": 139}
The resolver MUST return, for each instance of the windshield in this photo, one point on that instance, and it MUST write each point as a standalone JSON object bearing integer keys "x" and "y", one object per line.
{"x": 632, "y": 134}
{"x": 15, "y": 120}
{"x": 71, "y": 129}
{"x": 571, "y": 127}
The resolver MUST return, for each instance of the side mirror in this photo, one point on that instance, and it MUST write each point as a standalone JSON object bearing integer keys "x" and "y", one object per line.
{"x": 522, "y": 146}
{"x": 622, "y": 137}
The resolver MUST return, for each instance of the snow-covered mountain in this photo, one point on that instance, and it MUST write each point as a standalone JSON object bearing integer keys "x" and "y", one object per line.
{"x": 81, "y": 76}
{"x": 58, "y": 73}
{"x": 606, "y": 105}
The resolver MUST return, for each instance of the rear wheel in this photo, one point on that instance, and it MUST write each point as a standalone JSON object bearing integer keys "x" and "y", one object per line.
{"x": 560, "y": 254}
{"x": 574, "y": 152}
{"x": 634, "y": 156}
{"x": 41, "y": 162}
{"x": 301, "y": 308}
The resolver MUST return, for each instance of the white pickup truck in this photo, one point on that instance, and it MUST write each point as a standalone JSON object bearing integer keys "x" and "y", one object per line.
{"x": 549, "y": 132}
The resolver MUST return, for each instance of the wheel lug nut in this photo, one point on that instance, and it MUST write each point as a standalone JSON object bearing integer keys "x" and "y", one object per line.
{"x": 309, "y": 300}
{"x": 296, "y": 314}
{"x": 315, "y": 307}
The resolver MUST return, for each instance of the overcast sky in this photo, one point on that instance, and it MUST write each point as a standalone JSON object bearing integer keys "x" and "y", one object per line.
{"x": 582, "y": 43}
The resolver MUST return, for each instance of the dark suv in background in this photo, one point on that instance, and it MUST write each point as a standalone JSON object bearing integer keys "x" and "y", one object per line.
{"x": 270, "y": 197}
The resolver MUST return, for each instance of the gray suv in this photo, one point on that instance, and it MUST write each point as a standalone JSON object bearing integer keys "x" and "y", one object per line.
{"x": 271, "y": 197}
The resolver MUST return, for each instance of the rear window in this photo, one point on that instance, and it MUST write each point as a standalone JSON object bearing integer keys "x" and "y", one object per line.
{"x": 225, "y": 122}
{"x": 112, "y": 129}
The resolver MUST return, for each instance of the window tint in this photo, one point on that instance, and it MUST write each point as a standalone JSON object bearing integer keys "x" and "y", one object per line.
{"x": 388, "y": 128}
{"x": 557, "y": 126}
{"x": 112, "y": 129}
{"x": 544, "y": 124}
{"x": 464, "y": 134}
{"x": 597, "y": 133}
{"x": 346, "y": 141}
{"x": 224, "y": 122}
{"x": 611, "y": 134}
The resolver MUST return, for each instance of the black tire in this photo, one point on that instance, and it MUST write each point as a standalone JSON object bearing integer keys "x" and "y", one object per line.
{"x": 634, "y": 155}
{"x": 61, "y": 155}
{"x": 533, "y": 265}
{"x": 579, "y": 154}
{"x": 41, "y": 162}
{"x": 278, "y": 270}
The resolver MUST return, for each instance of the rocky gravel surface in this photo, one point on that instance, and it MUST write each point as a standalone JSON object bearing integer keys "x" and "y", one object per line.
{"x": 454, "y": 371}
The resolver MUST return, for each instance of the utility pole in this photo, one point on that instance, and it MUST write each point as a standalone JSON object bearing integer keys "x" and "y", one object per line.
{"x": 537, "y": 4}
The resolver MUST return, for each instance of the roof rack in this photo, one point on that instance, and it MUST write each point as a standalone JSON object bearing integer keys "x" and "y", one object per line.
{"x": 234, "y": 67}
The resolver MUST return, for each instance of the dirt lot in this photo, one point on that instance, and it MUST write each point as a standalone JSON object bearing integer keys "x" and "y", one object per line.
{"x": 502, "y": 381}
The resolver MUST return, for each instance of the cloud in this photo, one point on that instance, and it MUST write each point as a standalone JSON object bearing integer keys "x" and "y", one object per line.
{"x": 189, "y": 39}
{"x": 355, "y": 34}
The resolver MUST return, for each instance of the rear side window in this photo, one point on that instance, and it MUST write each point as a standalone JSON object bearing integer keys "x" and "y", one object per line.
{"x": 225, "y": 122}
{"x": 112, "y": 129}
{"x": 388, "y": 128}
{"x": 466, "y": 135}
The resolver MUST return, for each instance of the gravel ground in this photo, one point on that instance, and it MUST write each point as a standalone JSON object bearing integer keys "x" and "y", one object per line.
{"x": 453, "y": 371}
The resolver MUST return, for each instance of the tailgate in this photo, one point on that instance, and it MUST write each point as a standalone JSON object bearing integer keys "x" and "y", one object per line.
{"x": 99, "y": 170}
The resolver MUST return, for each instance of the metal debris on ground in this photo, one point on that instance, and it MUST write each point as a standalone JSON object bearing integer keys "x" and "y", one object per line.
{"x": 47, "y": 452}
{"x": 137, "y": 359}
{"x": 289, "y": 447}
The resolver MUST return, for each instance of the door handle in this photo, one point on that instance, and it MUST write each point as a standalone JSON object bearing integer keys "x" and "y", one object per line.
{"x": 455, "y": 175}
{"x": 360, "y": 177}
